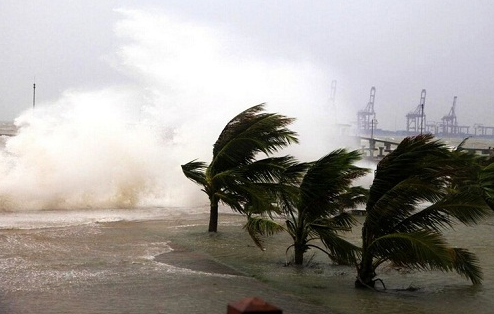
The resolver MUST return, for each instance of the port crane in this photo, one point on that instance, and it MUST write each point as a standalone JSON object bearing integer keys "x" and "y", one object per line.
{"x": 450, "y": 122}
{"x": 366, "y": 119}
{"x": 432, "y": 127}
{"x": 416, "y": 118}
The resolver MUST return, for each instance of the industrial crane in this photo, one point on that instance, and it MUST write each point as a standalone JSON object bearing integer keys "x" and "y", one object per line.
{"x": 366, "y": 118}
{"x": 416, "y": 119}
{"x": 450, "y": 124}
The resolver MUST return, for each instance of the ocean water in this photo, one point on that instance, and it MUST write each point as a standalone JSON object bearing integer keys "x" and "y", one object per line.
{"x": 121, "y": 261}
{"x": 162, "y": 260}
{"x": 332, "y": 286}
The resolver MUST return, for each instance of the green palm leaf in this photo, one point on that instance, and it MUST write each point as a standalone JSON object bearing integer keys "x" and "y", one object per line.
{"x": 194, "y": 171}
{"x": 312, "y": 193}
{"x": 400, "y": 201}
{"x": 414, "y": 157}
{"x": 235, "y": 177}
{"x": 326, "y": 181}
{"x": 465, "y": 207}
{"x": 258, "y": 227}
{"x": 338, "y": 249}
{"x": 467, "y": 265}
{"x": 249, "y": 133}
{"x": 341, "y": 222}
{"x": 418, "y": 190}
{"x": 423, "y": 250}
{"x": 426, "y": 250}
{"x": 486, "y": 182}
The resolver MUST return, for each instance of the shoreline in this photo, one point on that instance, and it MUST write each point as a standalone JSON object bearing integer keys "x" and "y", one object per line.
{"x": 191, "y": 257}
{"x": 182, "y": 257}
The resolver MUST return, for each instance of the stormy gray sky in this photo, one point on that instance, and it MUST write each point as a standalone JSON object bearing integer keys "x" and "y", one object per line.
{"x": 400, "y": 47}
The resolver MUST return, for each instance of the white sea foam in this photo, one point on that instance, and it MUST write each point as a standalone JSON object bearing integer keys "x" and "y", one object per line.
{"x": 122, "y": 146}
{"x": 73, "y": 217}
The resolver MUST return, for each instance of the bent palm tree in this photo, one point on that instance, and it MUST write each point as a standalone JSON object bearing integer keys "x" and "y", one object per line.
{"x": 312, "y": 197}
{"x": 418, "y": 190}
{"x": 234, "y": 176}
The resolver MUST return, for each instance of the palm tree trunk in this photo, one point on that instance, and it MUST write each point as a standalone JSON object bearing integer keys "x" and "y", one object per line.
{"x": 300, "y": 244}
{"x": 365, "y": 272}
{"x": 213, "y": 214}
{"x": 299, "y": 254}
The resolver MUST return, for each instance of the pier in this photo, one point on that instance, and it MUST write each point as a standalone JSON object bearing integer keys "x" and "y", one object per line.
{"x": 375, "y": 148}
{"x": 7, "y": 129}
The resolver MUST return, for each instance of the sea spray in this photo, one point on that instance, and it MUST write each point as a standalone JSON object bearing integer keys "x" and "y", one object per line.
{"x": 206, "y": 75}
{"x": 122, "y": 146}
{"x": 82, "y": 152}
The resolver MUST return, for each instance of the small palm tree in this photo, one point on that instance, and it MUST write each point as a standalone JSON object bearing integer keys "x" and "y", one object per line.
{"x": 312, "y": 197}
{"x": 418, "y": 190}
{"x": 235, "y": 177}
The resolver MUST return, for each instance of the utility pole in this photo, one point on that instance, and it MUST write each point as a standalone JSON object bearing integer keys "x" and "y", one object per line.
{"x": 34, "y": 93}
{"x": 422, "y": 104}
{"x": 416, "y": 119}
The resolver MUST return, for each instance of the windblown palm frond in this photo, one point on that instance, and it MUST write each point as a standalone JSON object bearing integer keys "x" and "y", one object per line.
{"x": 467, "y": 265}
{"x": 342, "y": 222}
{"x": 256, "y": 184}
{"x": 354, "y": 197}
{"x": 420, "y": 189}
{"x": 313, "y": 197}
{"x": 417, "y": 250}
{"x": 231, "y": 199}
{"x": 269, "y": 169}
{"x": 400, "y": 202}
{"x": 486, "y": 182}
{"x": 288, "y": 194}
{"x": 249, "y": 133}
{"x": 464, "y": 206}
{"x": 194, "y": 171}
{"x": 234, "y": 176}
{"x": 408, "y": 175}
{"x": 426, "y": 250}
{"x": 326, "y": 182}
{"x": 338, "y": 249}
{"x": 258, "y": 227}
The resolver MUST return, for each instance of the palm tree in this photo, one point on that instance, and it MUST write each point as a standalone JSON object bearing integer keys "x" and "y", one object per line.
{"x": 420, "y": 189}
{"x": 312, "y": 198}
{"x": 235, "y": 177}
